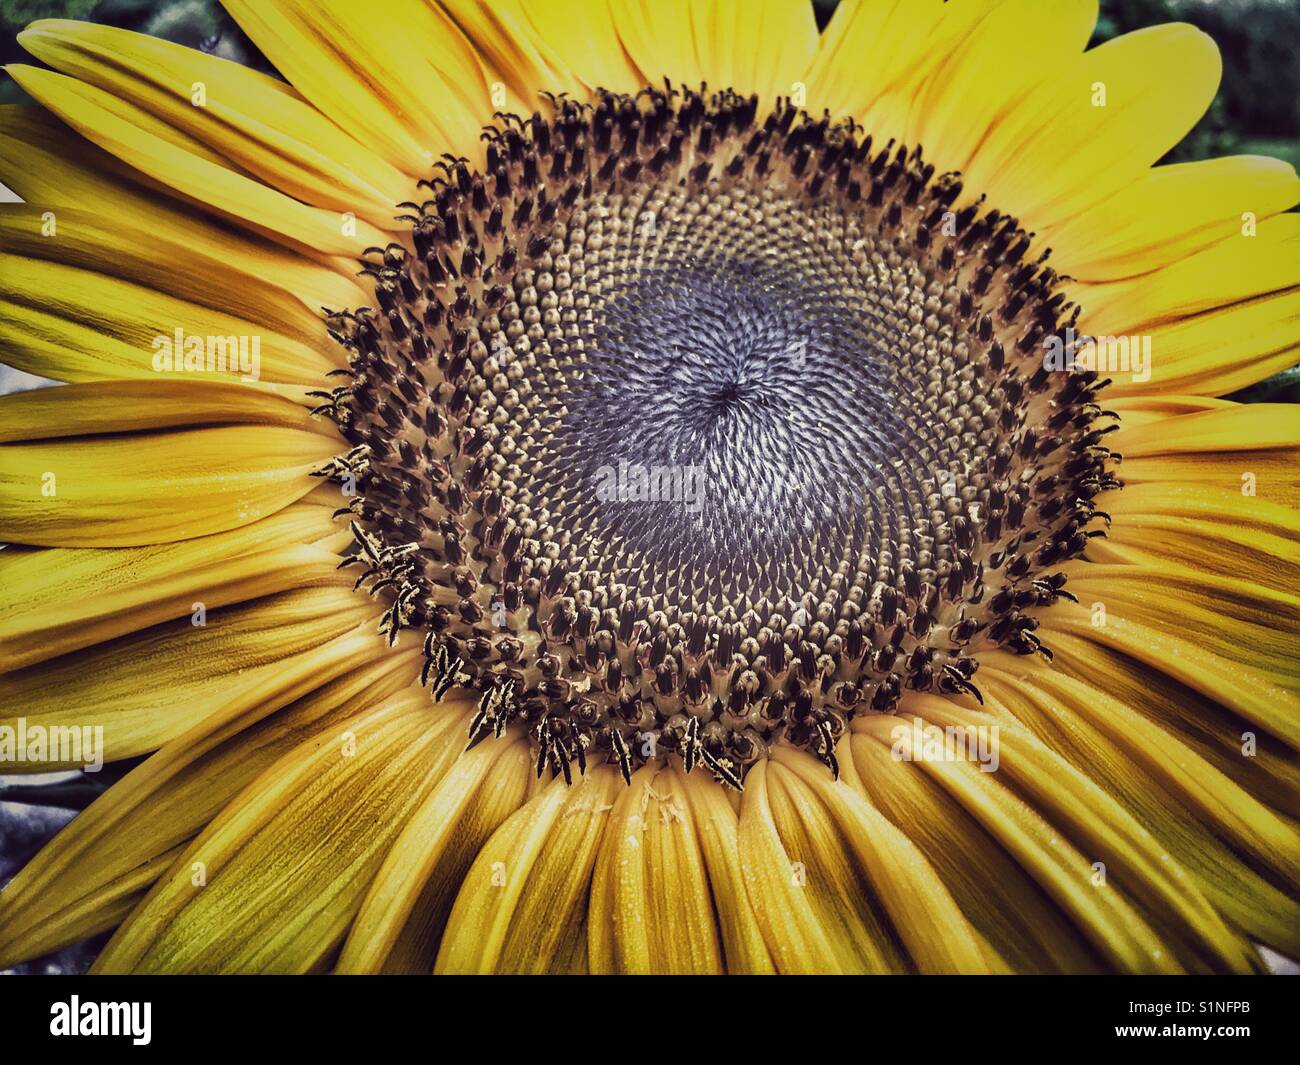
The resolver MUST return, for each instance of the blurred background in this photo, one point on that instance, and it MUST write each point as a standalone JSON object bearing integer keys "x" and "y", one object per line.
{"x": 1257, "y": 111}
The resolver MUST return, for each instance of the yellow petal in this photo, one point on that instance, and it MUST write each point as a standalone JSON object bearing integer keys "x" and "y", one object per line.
{"x": 1259, "y": 762}
{"x": 1161, "y": 780}
{"x": 398, "y": 77}
{"x": 1254, "y": 625}
{"x": 1219, "y": 350}
{"x": 975, "y": 86}
{"x": 1247, "y": 692}
{"x": 79, "y": 325}
{"x": 522, "y": 903}
{"x": 1137, "y": 864}
{"x": 189, "y": 167}
{"x": 581, "y": 36}
{"x": 659, "y": 38}
{"x": 1150, "y": 408}
{"x": 153, "y": 488}
{"x": 258, "y": 123}
{"x": 1237, "y": 427}
{"x": 919, "y": 910}
{"x": 1237, "y": 268}
{"x": 718, "y": 825}
{"x": 402, "y": 918}
{"x": 130, "y": 406}
{"x": 44, "y": 587}
{"x": 98, "y": 868}
{"x": 756, "y": 46}
{"x": 53, "y": 168}
{"x": 45, "y": 161}
{"x": 1112, "y": 924}
{"x": 189, "y": 259}
{"x": 1207, "y": 530}
{"x": 651, "y": 906}
{"x": 902, "y": 43}
{"x": 272, "y": 884}
{"x": 1171, "y": 212}
{"x": 814, "y": 901}
{"x": 145, "y": 689}
{"x": 133, "y": 594}
{"x": 1157, "y": 83}
{"x": 512, "y": 56}
{"x": 998, "y": 896}
{"x": 1249, "y": 449}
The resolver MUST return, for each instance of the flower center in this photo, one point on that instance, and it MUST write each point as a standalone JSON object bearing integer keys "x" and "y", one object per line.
{"x": 679, "y": 432}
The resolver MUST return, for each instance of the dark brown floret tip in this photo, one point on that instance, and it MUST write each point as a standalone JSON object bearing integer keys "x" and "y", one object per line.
{"x": 681, "y": 429}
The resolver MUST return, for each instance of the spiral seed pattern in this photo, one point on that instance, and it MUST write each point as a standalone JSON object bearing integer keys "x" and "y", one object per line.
{"x": 680, "y": 432}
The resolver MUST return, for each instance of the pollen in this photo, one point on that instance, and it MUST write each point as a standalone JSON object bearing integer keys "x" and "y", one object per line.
{"x": 681, "y": 430}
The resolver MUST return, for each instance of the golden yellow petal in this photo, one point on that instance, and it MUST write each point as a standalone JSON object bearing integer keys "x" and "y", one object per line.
{"x": 273, "y": 883}
{"x": 57, "y": 171}
{"x": 999, "y": 898}
{"x": 187, "y": 258}
{"x": 1236, "y": 427}
{"x": 80, "y": 325}
{"x": 1228, "y": 835}
{"x": 1217, "y": 351}
{"x": 1114, "y": 927}
{"x": 1171, "y": 212}
{"x": 903, "y": 43}
{"x": 153, "y": 488}
{"x": 99, "y": 867}
{"x": 397, "y": 76}
{"x": 1149, "y": 408}
{"x": 1261, "y": 763}
{"x": 1157, "y": 82}
{"x": 405, "y": 911}
{"x": 755, "y": 46}
{"x": 651, "y": 906}
{"x": 144, "y": 689}
{"x": 130, "y": 406}
{"x": 186, "y": 165}
{"x": 816, "y": 908}
{"x": 1137, "y": 864}
{"x": 255, "y": 121}
{"x": 522, "y": 903}
{"x": 43, "y": 587}
{"x": 975, "y": 87}
{"x": 659, "y": 38}
{"x": 1147, "y": 638}
{"x": 920, "y": 912}
{"x": 1208, "y": 530}
{"x": 135, "y": 593}
{"x": 514, "y": 58}
{"x": 1247, "y": 448}
{"x": 1237, "y": 268}
{"x": 579, "y": 36}
{"x": 1256, "y": 626}
{"x": 718, "y": 827}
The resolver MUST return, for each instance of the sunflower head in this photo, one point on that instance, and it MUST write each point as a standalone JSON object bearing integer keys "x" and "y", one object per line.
{"x": 674, "y": 427}
{"x": 718, "y": 416}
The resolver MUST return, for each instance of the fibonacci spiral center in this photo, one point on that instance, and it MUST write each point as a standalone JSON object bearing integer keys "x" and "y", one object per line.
{"x": 681, "y": 430}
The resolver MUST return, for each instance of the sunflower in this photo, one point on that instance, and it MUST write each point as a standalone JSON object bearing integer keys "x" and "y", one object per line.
{"x": 602, "y": 486}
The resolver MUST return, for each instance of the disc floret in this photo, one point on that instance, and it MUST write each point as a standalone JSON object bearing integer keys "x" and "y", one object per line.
{"x": 806, "y": 321}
